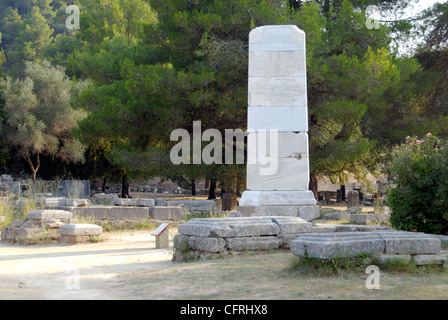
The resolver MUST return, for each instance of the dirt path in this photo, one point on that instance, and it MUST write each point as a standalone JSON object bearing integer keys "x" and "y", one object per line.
{"x": 82, "y": 271}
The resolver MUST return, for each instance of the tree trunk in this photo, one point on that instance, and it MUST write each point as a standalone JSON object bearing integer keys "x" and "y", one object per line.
{"x": 211, "y": 191}
{"x": 103, "y": 186}
{"x": 33, "y": 167}
{"x": 229, "y": 201}
{"x": 125, "y": 186}
{"x": 313, "y": 184}
{"x": 193, "y": 187}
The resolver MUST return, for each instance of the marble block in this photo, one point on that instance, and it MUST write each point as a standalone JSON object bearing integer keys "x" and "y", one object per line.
{"x": 284, "y": 198}
{"x": 277, "y": 38}
{"x": 278, "y": 118}
{"x": 276, "y": 144}
{"x": 277, "y": 91}
{"x": 279, "y": 174}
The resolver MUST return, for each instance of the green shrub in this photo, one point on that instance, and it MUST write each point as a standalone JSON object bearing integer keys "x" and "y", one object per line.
{"x": 418, "y": 200}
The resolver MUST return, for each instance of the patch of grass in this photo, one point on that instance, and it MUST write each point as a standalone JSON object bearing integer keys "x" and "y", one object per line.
{"x": 327, "y": 267}
{"x": 345, "y": 266}
{"x": 9, "y": 211}
{"x": 46, "y": 235}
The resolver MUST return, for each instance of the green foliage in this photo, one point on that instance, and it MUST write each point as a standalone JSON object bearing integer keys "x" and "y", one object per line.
{"x": 39, "y": 115}
{"x": 419, "y": 196}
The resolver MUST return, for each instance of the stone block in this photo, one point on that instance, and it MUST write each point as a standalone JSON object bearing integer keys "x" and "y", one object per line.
{"x": 105, "y": 199}
{"x": 19, "y": 234}
{"x": 360, "y": 228}
{"x": 280, "y": 174}
{"x": 353, "y": 199}
{"x": 207, "y": 244}
{"x": 80, "y": 230}
{"x": 384, "y": 258}
{"x": 166, "y": 213}
{"x": 278, "y": 118}
{"x": 305, "y": 212}
{"x": 232, "y": 214}
{"x": 48, "y": 214}
{"x": 112, "y": 212}
{"x": 134, "y": 202}
{"x": 425, "y": 259}
{"x": 195, "y": 206}
{"x": 336, "y": 216}
{"x": 402, "y": 242}
{"x": 277, "y": 198}
{"x": 369, "y": 218}
{"x": 276, "y": 38}
{"x": 253, "y": 243}
{"x": 180, "y": 242}
{"x": 229, "y": 227}
{"x": 160, "y": 202}
{"x": 278, "y": 144}
{"x": 287, "y": 238}
{"x": 337, "y": 245}
{"x": 277, "y": 91}
{"x": 323, "y": 228}
{"x": 292, "y": 225}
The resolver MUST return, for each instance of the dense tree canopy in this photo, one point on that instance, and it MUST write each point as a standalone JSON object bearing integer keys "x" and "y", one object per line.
{"x": 148, "y": 67}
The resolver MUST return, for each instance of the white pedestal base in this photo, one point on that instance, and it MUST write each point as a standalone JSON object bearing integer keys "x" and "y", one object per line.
{"x": 279, "y": 203}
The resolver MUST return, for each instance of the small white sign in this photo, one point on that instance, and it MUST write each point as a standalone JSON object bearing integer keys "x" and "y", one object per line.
{"x": 160, "y": 229}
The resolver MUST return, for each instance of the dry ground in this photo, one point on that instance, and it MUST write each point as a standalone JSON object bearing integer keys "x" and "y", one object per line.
{"x": 126, "y": 265}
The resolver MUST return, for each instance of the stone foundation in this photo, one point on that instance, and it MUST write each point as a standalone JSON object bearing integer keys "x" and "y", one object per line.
{"x": 219, "y": 236}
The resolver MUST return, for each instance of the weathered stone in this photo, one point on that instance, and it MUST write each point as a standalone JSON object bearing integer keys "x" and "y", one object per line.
{"x": 19, "y": 234}
{"x": 80, "y": 230}
{"x": 235, "y": 214}
{"x": 230, "y": 227}
{"x": 341, "y": 215}
{"x": 425, "y": 259}
{"x": 180, "y": 242}
{"x": 195, "y": 205}
{"x": 134, "y": 202}
{"x": 105, "y": 199}
{"x": 287, "y": 238}
{"x": 369, "y": 218}
{"x": 292, "y": 225}
{"x": 17, "y": 223}
{"x": 112, "y": 212}
{"x": 166, "y": 213}
{"x": 337, "y": 244}
{"x": 49, "y": 214}
{"x": 359, "y": 228}
{"x": 305, "y": 212}
{"x": 253, "y": 243}
{"x": 402, "y": 242}
{"x": 323, "y": 228}
{"x": 68, "y": 239}
{"x": 207, "y": 244}
{"x": 384, "y": 258}
{"x": 353, "y": 199}
{"x": 351, "y": 244}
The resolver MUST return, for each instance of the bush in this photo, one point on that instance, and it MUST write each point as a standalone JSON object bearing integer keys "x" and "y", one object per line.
{"x": 418, "y": 200}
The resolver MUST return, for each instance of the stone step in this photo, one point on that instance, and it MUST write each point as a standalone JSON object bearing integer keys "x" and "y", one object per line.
{"x": 352, "y": 244}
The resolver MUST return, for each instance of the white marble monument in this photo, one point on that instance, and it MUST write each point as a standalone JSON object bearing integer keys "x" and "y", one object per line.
{"x": 277, "y": 126}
